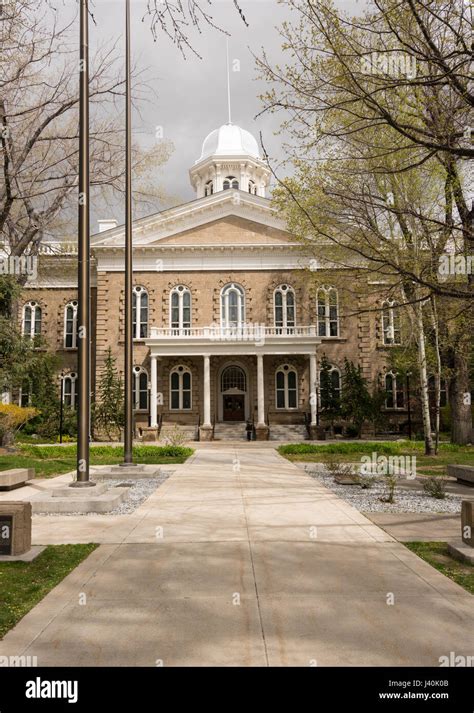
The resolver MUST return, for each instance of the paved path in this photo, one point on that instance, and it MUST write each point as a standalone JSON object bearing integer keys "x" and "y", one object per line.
{"x": 240, "y": 558}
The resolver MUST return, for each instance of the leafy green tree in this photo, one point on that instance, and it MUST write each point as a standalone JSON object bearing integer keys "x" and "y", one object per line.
{"x": 356, "y": 400}
{"x": 108, "y": 411}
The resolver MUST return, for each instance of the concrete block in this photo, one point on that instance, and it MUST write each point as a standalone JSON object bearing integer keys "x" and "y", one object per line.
{"x": 87, "y": 502}
{"x": 467, "y": 522}
{"x": 15, "y": 477}
{"x": 15, "y": 536}
{"x": 463, "y": 473}
{"x": 460, "y": 551}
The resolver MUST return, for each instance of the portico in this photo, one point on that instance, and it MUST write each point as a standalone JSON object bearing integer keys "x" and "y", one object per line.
{"x": 231, "y": 371}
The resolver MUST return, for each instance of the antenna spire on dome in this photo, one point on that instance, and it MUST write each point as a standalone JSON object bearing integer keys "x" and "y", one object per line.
{"x": 228, "y": 81}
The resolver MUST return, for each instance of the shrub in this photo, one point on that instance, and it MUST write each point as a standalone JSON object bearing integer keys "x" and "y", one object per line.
{"x": 12, "y": 418}
{"x": 436, "y": 488}
{"x": 175, "y": 437}
{"x": 391, "y": 484}
{"x": 352, "y": 431}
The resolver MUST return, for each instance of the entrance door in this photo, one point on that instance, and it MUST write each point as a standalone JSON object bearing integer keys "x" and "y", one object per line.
{"x": 234, "y": 408}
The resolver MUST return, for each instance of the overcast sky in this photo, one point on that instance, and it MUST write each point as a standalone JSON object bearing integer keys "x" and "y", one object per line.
{"x": 191, "y": 94}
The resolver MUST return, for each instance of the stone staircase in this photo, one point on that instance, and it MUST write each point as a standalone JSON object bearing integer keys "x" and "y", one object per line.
{"x": 188, "y": 431}
{"x": 289, "y": 432}
{"x": 230, "y": 431}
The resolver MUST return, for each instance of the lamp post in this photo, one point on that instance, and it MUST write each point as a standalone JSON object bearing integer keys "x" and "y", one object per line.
{"x": 61, "y": 408}
{"x": 83, "y": 332}
{"x": 409, "y": 404}
{"x": 128, "y": 395}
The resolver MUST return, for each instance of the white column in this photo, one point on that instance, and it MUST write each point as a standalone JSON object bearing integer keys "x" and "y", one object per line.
{"x": 312, "y": 389}
{"x": 260, "y": 392}
{"x": 207, "y": 390}
{"x": 154, "y": 393}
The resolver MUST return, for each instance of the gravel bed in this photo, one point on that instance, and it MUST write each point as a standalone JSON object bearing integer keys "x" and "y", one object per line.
{"x": 368, "y": 499}
{"x": 139, "y": 490}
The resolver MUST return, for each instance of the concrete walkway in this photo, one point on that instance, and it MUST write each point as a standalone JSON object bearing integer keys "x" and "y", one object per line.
{"x": 240, "y": 558}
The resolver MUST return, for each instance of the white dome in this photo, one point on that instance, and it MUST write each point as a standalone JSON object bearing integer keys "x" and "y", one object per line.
{"x": 229, "y": 140}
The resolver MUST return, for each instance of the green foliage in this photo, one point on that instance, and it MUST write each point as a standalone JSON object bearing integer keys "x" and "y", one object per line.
{"x": 24, "y": 584}
{"x": 436, "y": 487}
{"x": 438, "y": 556}
{"x": 381, "y": 447}
{"x": 329, "y": 396}
{"x": 356, "y": 400}
{"x": 9, "y": 292}
{"x": 12, "y": 418}
{"x": 140, "y": 453}
{"x": 108, "y": 413}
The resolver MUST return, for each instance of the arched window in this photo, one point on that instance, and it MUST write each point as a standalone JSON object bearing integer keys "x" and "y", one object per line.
{"x": 69, "y": 390}
{"x": 328, "y": 312}
{"x": 394, "y": 391}
{"x": 230, "y": 182}
{"x": 140, "y": 312}
{"x": 180, "y": 310}
{"x": 140, "y": 388}
{"x": 70, "y": 325}
{"x": 443, "y": 392}
{"x": 233, "y": 377}
{"x": 180, "y": 389}
{"x": 31, "y": 324}
{"x": 252, "y": 188}
{"x": 286, "y": 387}
{"x": 284, "y": 305}
{"x": 331, "y": 389}
{"x": 391, "y": 323}
{"x": 209, "y": 188}
{"x": 232, "y": 305}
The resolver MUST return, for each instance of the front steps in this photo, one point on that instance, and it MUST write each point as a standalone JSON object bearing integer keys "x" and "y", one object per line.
{"x": 169, "y": 430}
{"x": 288, "y": 432}
{"x": 235, "y": 431}
{"x": 230, "y": 431}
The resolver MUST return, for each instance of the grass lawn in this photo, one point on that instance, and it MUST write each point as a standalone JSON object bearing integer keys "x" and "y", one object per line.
{"x": 24, "y": 584}
{"x": 352, "y": 451}
{"x": 437, "y": 555}
{"x": 54, "y": 460}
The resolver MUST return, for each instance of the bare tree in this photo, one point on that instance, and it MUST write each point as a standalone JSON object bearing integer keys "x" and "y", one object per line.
{"x": 39, "y": 95}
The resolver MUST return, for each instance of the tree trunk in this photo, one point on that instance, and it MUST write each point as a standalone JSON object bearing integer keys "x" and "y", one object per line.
{"x": 434, "y": 319}
{"x": 424, "y": 395}
{"x": 459, "y": 399}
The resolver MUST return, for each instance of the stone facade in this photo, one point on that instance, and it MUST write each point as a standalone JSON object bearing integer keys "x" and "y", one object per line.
{"x": 224, "y": 240}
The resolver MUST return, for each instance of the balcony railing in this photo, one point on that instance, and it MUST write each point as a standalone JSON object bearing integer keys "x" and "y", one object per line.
{"x": 244, "y": 332}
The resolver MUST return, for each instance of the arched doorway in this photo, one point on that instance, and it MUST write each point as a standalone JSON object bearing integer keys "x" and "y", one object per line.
{"x": 233, "y": 385}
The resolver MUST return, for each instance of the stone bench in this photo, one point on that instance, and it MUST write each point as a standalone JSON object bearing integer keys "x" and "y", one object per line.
{"x": 462, "y": 473}
{"x": 15, "y": 528}
{"x": 15, "y": 478}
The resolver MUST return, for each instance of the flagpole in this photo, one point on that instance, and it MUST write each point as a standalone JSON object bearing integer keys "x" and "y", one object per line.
{"x": 128, "y": 405}
{"x": 83, "y": 315}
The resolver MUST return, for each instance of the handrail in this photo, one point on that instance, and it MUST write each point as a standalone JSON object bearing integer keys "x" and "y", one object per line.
{"x": 213, "y": 425}
{"x": 160, "y": 423}
{"x": 198, "y": 429}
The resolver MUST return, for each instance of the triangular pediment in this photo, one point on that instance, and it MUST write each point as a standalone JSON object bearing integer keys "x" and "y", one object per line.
{"x": 227, "y": 218}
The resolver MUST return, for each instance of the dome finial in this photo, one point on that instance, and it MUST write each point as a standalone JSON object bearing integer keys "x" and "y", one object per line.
{"x": 228, "y": 81}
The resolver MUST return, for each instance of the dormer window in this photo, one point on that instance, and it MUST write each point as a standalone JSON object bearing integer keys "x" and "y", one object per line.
{"x": 230, "y": 182}
{"x": 209, "y": 188}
